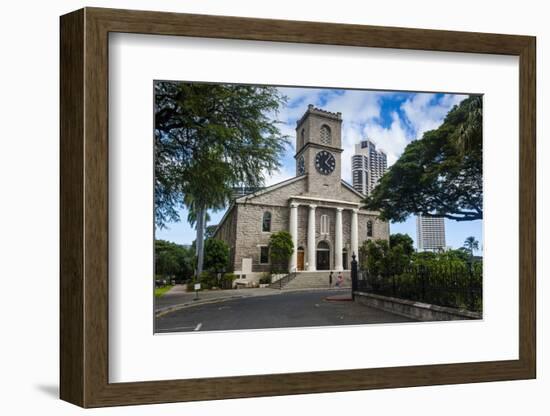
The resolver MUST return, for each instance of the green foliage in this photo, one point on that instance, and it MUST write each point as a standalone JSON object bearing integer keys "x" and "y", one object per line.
{"x": 280, "y": 250}
{"x": 454, "y": 284}
{"x": 160, "y": 291}
{"x": 209, "y": 231}
{"x": 448, "y": 278}
{"x": 438, "y": 175}
{"x": 216, "y": 255}
{"x": 468, "y": 135}
{"x": 173, "y": 260}
{"x": 404, "y": 240}
{"x": 265, "y": 279}
{"x": 381, "y": 259}
{"x": 210, "y": 280}
{"x": 227, "y": 280}
{"x": 374, "y": 257}
{"x": 210, "y": 138}
{"x": 471, "y": 244}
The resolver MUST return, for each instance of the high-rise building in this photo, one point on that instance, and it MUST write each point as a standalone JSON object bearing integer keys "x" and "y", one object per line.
{"x": 430, "y": 233}
{"x": 367, "y": 166}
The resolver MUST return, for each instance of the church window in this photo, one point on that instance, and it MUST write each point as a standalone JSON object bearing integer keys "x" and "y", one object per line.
{"x": 325, "y": 134}
{"x": 324, "y": 224}
{"x": 266, "y": 222}
{"x": 302, "y": 139}
{"x": 264, "y": 255}
{"x": 369, "y": 228}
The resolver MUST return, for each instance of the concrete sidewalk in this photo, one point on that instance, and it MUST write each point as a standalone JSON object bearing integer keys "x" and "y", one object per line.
{"x": 178, "y": 298}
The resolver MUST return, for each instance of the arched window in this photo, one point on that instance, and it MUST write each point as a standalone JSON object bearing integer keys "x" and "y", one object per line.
{"x": 266, "y": 222}
{"x": 325, "y": 134}
{"x": 302, "y": 139}
{"x": 323, "y": 246}
{"x": 369, "y": 228}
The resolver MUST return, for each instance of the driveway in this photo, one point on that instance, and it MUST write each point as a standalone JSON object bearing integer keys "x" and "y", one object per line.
{"x": 279, "y": 309}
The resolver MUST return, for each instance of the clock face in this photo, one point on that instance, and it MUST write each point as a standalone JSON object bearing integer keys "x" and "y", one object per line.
{"x": 325, "y": 162}
{"x": 301, "y": 166}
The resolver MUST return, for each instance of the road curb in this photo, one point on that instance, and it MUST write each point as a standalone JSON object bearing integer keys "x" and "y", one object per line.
{"x": 174, "y": 308}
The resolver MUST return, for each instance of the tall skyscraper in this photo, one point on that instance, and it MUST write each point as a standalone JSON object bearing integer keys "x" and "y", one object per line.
{"x": 367, "y": 166}
{"x": 430, "y": 233}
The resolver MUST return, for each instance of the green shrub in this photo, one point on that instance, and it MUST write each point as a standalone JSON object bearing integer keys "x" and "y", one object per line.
{"x": 265, "y": 279}
{"x": 210, "y": 280}
{"x": 226, "y": 281}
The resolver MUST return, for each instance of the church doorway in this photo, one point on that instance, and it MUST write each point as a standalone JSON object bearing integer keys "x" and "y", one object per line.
{"x": 300, "y": 262}
{"x": 323, "y": 256}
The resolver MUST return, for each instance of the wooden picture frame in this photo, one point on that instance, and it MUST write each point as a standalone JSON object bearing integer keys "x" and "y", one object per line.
{"x": 84, "y": 207}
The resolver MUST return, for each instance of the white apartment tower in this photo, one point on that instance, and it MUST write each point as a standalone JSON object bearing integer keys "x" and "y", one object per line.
{"x": 430, "y": 233}
{"x": 367, "y": 166}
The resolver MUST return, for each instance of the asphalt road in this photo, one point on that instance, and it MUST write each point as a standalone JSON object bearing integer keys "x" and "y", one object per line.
{"x": 288, "y": 309}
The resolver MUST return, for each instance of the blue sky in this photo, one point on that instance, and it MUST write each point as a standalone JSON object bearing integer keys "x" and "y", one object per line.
{"x": 390, "y": 119}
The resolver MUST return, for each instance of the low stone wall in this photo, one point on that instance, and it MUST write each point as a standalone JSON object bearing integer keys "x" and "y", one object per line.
{"x": 415, "y": 310}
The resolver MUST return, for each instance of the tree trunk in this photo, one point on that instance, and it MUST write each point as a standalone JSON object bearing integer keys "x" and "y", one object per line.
{"x": 201, "y": 217}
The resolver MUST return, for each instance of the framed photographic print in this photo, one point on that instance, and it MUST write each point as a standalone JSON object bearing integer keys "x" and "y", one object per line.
{"x": 289, "y": 207}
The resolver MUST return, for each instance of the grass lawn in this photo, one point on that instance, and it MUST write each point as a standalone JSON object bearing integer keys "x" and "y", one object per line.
{"x": 159, "y": 291}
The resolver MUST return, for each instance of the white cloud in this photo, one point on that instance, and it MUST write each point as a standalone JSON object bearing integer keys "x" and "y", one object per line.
{"x": 280, "y": 175}
{"x": 361, "y": 114}
{"x": 391, "y": 140}
{"x": 423, "y": 112}
{"x": 356, "y": 106}
{"x": 298, "y": 100}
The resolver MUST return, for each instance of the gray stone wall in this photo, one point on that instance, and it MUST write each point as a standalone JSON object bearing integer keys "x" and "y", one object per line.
{"x": 279, "y": 196}
{"x": 381, "y": 229}
{"x": 249, "y": 234}
{"x": 415, "y": 310}
{"x": 242, "y": 228}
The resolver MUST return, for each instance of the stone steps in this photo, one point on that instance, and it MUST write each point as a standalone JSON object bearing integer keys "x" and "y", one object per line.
{"x": 314, "y": 280}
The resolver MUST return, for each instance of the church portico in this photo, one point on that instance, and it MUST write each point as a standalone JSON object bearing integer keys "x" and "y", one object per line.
{"x": 322, "y": 227}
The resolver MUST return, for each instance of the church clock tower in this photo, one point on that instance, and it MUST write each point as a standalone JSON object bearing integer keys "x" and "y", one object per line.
{"x": 319, "y": 149}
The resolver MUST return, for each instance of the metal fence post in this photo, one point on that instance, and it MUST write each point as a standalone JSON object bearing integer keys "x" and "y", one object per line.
{"x": 394, "y": 289}
{"x": 423, "y": 280}
{"x": 470, "y": 286}
{"x": 353, "y": 276}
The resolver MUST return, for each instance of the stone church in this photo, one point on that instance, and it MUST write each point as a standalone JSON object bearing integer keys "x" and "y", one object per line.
{"x": 321, "y": 211}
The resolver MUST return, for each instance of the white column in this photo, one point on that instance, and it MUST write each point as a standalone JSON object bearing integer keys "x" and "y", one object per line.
{"x": 354, "y": 233}
{"x": 293, "y": 229}
{"x": 311, "y": 248}
{"x": 338, "y": 241}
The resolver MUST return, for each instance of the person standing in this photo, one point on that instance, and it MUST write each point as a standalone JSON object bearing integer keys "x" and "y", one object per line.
{"x": 330, "y": 279}
{"x": 339, "y": 280}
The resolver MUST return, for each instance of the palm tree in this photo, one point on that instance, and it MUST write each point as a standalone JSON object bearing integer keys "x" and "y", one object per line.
{"x": 208, "y": 139}
{"x": 471, "y": 244}
{"x": 468, "y": 137}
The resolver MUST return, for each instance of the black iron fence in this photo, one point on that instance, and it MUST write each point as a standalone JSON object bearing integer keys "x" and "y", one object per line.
{"x": 452, "y": 285}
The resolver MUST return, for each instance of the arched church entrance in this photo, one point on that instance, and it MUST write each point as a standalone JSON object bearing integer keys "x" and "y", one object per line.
{"x": 323, "y": 256}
